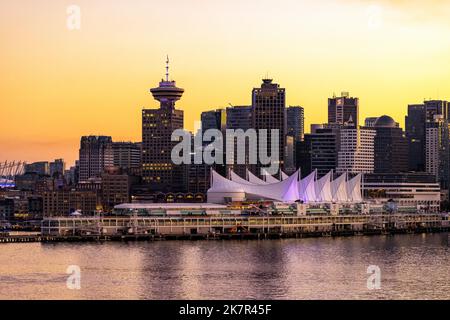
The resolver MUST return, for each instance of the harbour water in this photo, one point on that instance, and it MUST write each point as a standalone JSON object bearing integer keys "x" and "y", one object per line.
{"x": 412, "y": 267}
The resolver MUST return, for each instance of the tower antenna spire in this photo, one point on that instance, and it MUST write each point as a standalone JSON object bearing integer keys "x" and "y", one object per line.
{"x": 167, "y": 68}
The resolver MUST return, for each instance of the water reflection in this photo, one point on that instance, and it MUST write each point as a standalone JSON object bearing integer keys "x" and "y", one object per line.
{"x": 412, "y": 266}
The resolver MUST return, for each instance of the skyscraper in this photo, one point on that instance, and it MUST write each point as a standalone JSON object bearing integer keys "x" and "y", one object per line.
{"x": 356, "y": 152}
{"x": 96, "y": 154}
{"x": 323, "y": 143}
{"x": 415, "y": 134}
{"x": 295, "y": 119}
{"x": 158, "y": 170}
{"x": 435, "y": 108}
{"x": 391, "y": 147}
{"x": 269, "y": 112}
{"x": 343, "y": 110}
{"x": 127, "y": 155}
{"x": 437, "y": 150}
{"x": 239, "y": 117}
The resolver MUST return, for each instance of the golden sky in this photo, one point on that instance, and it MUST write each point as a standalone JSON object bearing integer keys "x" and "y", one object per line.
{"x": 58, "y": 84}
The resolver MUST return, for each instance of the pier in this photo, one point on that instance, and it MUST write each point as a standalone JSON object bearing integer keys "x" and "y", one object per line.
{"x": 132, "y": 228}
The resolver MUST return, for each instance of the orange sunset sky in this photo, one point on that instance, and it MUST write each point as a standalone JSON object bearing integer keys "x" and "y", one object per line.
{"x": 58, "y": 84}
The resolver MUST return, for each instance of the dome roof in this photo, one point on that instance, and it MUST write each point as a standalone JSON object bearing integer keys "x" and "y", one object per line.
{"x": 386, "y": 122}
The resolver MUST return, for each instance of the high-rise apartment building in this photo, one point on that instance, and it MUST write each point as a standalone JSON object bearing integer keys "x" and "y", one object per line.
{"x": 356, "y": 152}
{"x": 158, "y": 170}
{"x": 269, "y": 112}
{"x": 96, "y": 154}
{"x": 343, "y": 110}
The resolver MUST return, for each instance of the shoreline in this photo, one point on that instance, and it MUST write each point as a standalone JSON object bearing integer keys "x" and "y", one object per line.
{"x": 215, "y": 237}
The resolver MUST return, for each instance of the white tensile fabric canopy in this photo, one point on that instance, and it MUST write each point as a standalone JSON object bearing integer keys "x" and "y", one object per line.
{"x": 307, "y": 190}
{"x": 254, "y": 179}
{"x": 354, "y": 189}
{"x": 236, "y": 178}
{"x": 284, "y": 191}
{"x": 339, "y": 189}
{"x": 269, "y": 178}
{"x": 284, "y": 176}
{"x": 323, "y": 188}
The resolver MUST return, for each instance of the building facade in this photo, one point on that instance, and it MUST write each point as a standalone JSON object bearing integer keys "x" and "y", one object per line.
{"x": 127, "y": 155}
{"x": 415, "y": 135}
{"x": 269, "y": 113}
{"x": 65, "y": 202}
{"x": 391, "y": 147}
{"x": 405, "y": 189}
{"x": 437, "y": 150}
{"x": 343, "y": 110}
{"x": 319, "y": 150}
{"x": 356, "y": 153}
{"x": 96, "y": 154}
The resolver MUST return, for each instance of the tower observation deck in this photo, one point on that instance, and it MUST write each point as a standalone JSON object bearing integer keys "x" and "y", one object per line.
{"x": 167, "y": 93}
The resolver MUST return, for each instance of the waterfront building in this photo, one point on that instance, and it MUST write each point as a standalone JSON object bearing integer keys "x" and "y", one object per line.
{"x": 40, "y": 168}
{"x": 437, "y": 150}
{"x": 35, "y": 207}
{"x": 416, "y": 190}
{"x": 6, "y": 209}
{"x": 127, "y": 156}
{"x": 356, "y": 150}
{"x": 269, "y": 112}
{"x": 66, "y": 202}
{"x": 307, "y": 190}
{"x": 343, "y": 110}
{"x": 391, "y": 147}
{"x": 415, "y": 134}
{"x": 116, "y": 187}
{"x": 158, "y": 170}
{"x": 96, "y": 154}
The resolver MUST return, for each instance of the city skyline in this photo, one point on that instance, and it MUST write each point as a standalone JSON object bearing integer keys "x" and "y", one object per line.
{"x": 59, "y": 84}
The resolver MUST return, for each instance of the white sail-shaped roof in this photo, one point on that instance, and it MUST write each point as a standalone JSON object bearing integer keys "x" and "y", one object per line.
{"x": 323, "y": 188}
{"x": 236, "y": 178}
{"x": 284, "y": 176}
{"x": 354, "y": 189}
{"x": 284, "y": 191}
{"x": 254, "y": 179}
{"x": 307, "y": 189}
{"x": 269, "y": 178}
{"x": 339, "y": 189}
